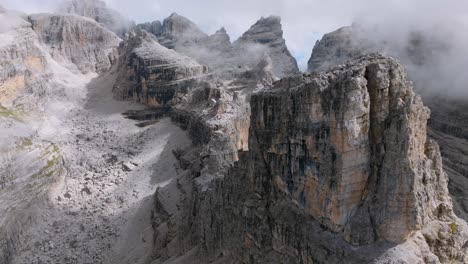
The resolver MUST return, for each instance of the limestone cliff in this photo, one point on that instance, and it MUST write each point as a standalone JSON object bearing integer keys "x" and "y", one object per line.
{"x": 77, "y": 40}
{"x": 339, "y": 167}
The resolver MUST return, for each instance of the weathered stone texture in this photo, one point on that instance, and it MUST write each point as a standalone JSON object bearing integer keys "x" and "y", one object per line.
{"x": 153, "y": 74}
{"x": 268, "y": 32}
{"x": 77, "y": 40}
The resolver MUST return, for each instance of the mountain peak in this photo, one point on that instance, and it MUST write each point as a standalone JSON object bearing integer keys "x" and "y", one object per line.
{"x": 221, "y": 31}
{"x": 268, "y": 31}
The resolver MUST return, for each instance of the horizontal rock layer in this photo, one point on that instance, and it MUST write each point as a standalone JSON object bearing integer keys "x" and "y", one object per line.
{"x": 153, "y": 74}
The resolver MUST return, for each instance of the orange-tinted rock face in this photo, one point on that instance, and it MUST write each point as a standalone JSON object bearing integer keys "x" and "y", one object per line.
{"x": 318, "y": 145}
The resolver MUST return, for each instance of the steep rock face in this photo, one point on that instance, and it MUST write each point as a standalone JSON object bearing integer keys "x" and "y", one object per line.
{"x": 446, "y": 125}
{"x": 98, "y": 10}
{"x": 77, "y": 40}
{"x": 153, "y": 74}
{"x": 338, "y": 167}
{"x": 154, "y": 27}
{"x": 23, "y": 63}
{"x": 268, "y": 32}
{"x": 334, "y": 48}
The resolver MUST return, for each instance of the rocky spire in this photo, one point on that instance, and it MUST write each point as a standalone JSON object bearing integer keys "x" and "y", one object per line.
{"x": 179, "y": 30}
{"x": 334, "y": 48}
{"x": 220, "y": 40}
{"x": 268, "y": 32}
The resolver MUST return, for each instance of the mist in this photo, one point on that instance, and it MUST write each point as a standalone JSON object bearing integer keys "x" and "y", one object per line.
{"x": 428, "y": 37}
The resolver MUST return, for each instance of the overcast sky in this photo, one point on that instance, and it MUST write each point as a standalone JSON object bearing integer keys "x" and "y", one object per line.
{"x": 304, "y": 21}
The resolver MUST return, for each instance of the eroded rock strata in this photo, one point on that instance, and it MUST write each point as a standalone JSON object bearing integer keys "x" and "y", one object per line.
{"x": 152, "y": 74}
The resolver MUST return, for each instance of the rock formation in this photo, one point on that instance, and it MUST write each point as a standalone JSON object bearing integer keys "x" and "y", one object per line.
{"x": 98, "y": 10}
{"x": 334, "y": 48}
{"x": 445, "y": 126}
{"x": 177, "y": 30}
{"x": 264, "y": 39}
{"x": 23, "y": 63}
{"x": 77, "y": 40}
{"x": 268, "y": 32}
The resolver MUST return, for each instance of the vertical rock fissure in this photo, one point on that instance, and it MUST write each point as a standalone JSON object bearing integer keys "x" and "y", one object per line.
{"x": 375, "y": 156}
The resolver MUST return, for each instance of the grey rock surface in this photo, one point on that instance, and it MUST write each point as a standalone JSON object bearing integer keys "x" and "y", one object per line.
{"x": 152, "y": 74}
{"x": 77, "y": 40}
{"x": 268, "y": 32}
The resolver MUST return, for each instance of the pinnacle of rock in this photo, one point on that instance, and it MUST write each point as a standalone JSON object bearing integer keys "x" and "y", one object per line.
{"x": 268, "y": 32}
